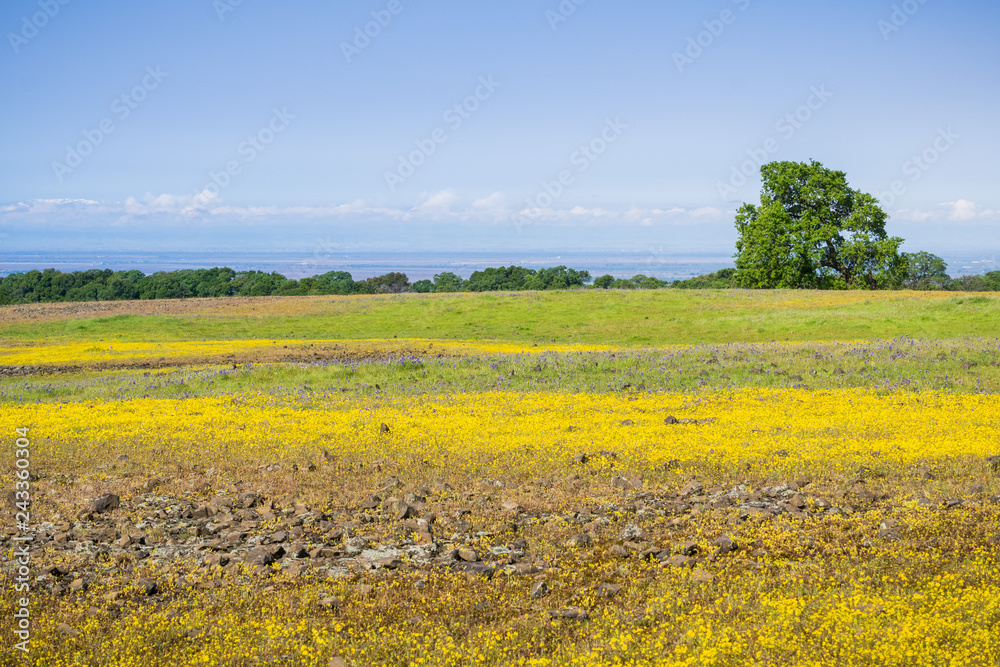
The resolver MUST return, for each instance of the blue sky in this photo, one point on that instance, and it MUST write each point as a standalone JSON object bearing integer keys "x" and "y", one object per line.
{"x": 253, "y": 124}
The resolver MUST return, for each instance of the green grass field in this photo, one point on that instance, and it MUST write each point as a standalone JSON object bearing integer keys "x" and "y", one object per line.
{"x": 642, "y": 318}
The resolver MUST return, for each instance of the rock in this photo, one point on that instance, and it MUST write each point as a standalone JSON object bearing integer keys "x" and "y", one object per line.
{"x": 581, "y": 458}
{"x": 78, "y": 585}
{"x": 725, "y": 544}
{"x": 392, "y": 483}
{"x": 608, "y": 590}
{"x": 440, "y": 487}
{"x": 66, "y": 630}
{"x": 248, "y": 499}
{"x": 633, "y": 533}
{"x": 570, "y": 614}
{"x": 671, "y": 420}
{"x": 417, "y": 501}
{"x": 105, "y": 503}
{"x": 721, "y": 501}
{"x": 994, "y": 462}
{"x": 579, "y": 540}
{"x": 364, "y": 590}
{"x": 620, "y": 482}
{"x": 618, "y": 551}
{"x": 337, "y": 661}
{"x": 797, "y": 501}
{"x": 54, "y": 571}
{"x": 652, "y": 552}
{"x": 476, "y": 569}
{"x": 298, "y": 551}
{"x": 539, "y": 590}
{"x": 701, "y": 576}
{"x": 383, "y": 428}
{"x": 863, "y": 495}
{"x": 371, "y": 504}
{"x": 687, "y": 548}
{"x": 152, "y": 483}
{"x": 217, "y": 559}
{"x": 512, "y": 507}
{"x": 259, "y": 556}
{"x": 628, "y": 422}
{"x": 693, "y": 487}
{"x": 402, "y": 510}
{"x": 525, "y": 569}
{"x": 389, "y": 562}
{"x": 674, "y": 561}
{"x": 468, "y": 555}
{"x": 147, "y": 587}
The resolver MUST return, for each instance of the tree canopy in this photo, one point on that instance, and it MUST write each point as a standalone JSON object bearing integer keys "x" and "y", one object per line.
{"x": 812, "y": 230}
{"x": 107, "y": 285}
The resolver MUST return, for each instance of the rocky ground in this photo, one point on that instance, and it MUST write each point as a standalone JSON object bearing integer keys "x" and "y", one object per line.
{"x": 202, "y": 536}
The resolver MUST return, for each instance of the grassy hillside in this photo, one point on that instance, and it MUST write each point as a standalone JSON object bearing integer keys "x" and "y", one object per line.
{"x": 641, "y": 318}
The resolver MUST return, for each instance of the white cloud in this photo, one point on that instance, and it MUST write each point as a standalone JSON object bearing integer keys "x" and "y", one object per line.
{"x": 492, "y": 203}
{"x": 914, "y": 215}
{"x": 179, "y": 205}
{"x": 43, "y": 206}
{"x": 961, "y": 210}
{"x": 438, "y": 202}
{"x": 707, "y": 212}
{"x": 964, "y": 210}
{"x": 445, "y": 205}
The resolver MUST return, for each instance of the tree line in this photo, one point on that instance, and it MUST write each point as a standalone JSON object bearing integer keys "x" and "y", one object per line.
{"x": 51, "y": 285}
{"x": 924, "y": 272}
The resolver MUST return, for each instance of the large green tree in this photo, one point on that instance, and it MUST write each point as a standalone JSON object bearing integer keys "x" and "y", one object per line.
{"x": 811, "y": 230}
{"x": 925, "y": 271}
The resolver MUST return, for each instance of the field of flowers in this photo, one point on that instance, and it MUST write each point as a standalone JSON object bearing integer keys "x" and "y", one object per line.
{"x": 422, "y": 501}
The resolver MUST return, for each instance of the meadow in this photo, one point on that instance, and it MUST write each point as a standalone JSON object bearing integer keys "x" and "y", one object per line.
{"x": 557, "y": 478}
